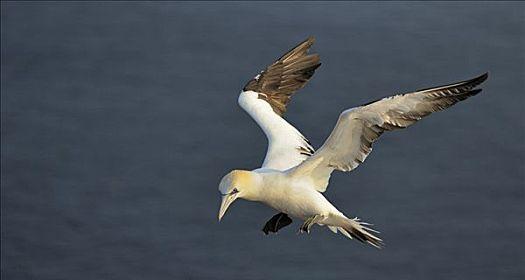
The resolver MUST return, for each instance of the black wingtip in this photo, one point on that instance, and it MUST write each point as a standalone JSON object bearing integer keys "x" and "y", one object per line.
{"x": 482, "y": 78}
{"x": 475, "y": 91}
{"x": 477, "y": 80}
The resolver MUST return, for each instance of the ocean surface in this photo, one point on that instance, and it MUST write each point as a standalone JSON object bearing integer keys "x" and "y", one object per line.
{"x": 118, "y": 120}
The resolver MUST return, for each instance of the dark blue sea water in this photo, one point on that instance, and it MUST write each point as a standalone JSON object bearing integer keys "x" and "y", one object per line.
{"x": 118, "y": 120}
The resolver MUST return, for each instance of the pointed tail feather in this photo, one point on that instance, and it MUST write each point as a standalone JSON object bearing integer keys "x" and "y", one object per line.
{"x": 333, "y": 229}
{"x": 354, "y": 228}
{"x": 361, "y": 231}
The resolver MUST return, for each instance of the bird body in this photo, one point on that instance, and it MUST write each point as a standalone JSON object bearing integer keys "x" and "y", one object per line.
{"x": 293, "y": 175}
{"x": 293, "y": 195}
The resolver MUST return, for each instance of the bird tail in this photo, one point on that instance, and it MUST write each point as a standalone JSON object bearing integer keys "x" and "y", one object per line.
{"x": 354, "y": 228}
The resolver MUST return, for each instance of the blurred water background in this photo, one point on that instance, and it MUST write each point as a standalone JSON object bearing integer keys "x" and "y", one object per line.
{"x": 118, "y": 119}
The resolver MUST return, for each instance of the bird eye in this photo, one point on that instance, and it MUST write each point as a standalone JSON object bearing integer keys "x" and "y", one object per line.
{"x": 235, "y": 190}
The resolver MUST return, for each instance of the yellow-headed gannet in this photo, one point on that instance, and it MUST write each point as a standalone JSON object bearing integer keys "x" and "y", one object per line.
{"x": 293, "y": 175}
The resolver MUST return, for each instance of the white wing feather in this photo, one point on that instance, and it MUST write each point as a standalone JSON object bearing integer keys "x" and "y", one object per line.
{"x": 265, "y": 98}
{"x": 287, "y": 147}
{"x": 358, "y": 128}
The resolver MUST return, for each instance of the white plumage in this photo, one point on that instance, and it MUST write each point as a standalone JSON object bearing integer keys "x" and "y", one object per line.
{"x": 292, "y": 177}
{"x": 283, "y": 138}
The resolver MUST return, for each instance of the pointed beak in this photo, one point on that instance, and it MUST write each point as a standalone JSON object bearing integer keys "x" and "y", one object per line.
{"x": 227, "y": 200}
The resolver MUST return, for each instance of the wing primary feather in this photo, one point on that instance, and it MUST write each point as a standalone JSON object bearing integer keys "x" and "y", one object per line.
{"x": 358, "y": 128}
{"x": 279, "y": 81}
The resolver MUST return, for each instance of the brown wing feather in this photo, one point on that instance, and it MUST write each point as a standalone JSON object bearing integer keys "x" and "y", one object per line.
{"x": 279, "y": 81}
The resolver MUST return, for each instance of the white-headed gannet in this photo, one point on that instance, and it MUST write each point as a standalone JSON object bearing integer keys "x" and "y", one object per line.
{"x": 293, "y": 175}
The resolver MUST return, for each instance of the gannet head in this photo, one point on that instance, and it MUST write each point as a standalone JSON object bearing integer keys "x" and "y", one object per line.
{"x": 236, "y": 184}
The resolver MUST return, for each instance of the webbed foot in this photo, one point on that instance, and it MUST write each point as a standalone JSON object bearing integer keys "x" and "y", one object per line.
{"x": 276, "y": 223}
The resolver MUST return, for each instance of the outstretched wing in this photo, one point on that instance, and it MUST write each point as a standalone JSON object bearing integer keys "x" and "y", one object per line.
{"x": 279, "y": 81}
{"x": 358, "y": 128}
{"x": 265, "y": 98}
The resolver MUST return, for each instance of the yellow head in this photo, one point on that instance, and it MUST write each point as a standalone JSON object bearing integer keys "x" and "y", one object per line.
{"x": 236, "y": 184}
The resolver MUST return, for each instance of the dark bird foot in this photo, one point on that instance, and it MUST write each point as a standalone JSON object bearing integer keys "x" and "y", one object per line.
{"x": 276, "y": 223}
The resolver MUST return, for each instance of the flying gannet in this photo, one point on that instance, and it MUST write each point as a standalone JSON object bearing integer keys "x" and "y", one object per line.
{"x": 293, "y": 176}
